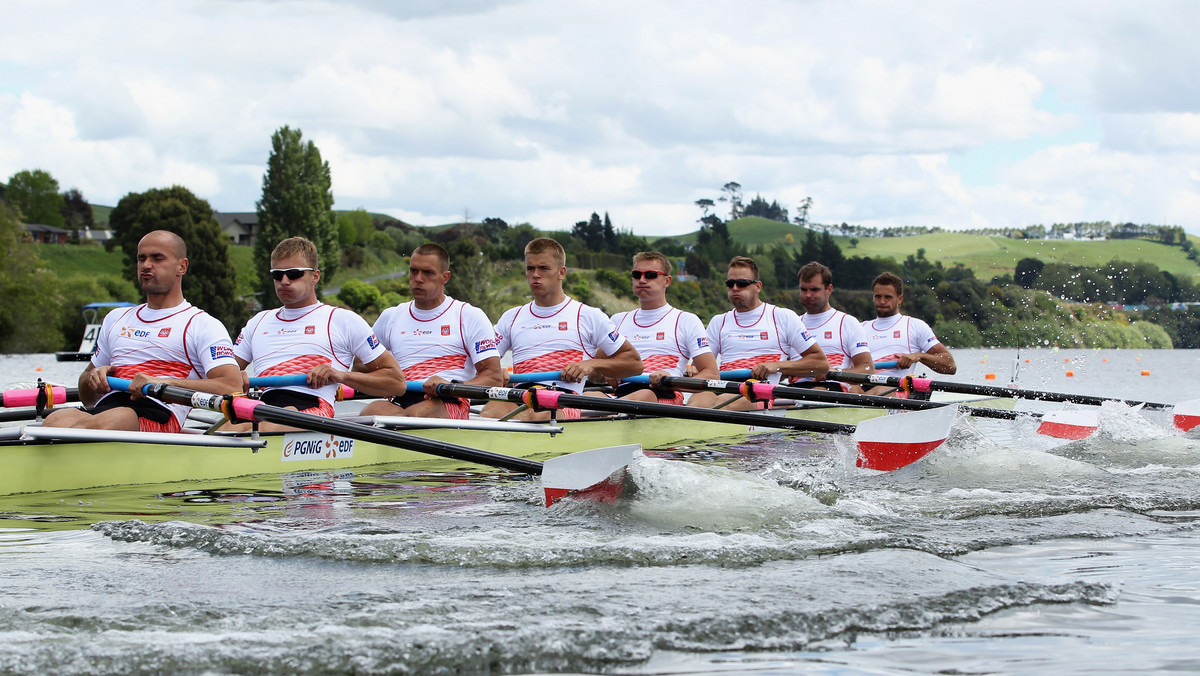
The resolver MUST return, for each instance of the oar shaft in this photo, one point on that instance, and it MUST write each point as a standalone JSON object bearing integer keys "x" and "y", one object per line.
{"x": 927, "y": 385}
{"x": 761, "y": 390}
{"x": 553, "y": 399}
{"x": 245, "y": 408}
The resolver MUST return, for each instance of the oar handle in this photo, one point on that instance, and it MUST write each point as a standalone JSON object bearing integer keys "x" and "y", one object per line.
{"x": 887, "y": 364}
{"x": 344, "y": 391}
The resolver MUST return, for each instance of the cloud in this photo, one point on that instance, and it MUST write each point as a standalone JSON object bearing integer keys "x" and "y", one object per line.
{"x": 941, "y": 113}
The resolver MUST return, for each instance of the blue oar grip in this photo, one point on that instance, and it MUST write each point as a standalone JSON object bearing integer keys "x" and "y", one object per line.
{"x": 279, "y": 381}
{"x": 534, "y": 377}
{"x": 886, "y": 364}
{"x": 120, "y": 383}
{"x": 638, "y": 380}
{"x": 735, "y": 374}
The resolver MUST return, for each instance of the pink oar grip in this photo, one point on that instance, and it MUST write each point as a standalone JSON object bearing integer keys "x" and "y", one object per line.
{"x": 243, "y": 407}
{"x": 922, "y": 384}
{"x": 28, "y": 397}
{"x": 763, "y": 390}
{"x": 547, "y": 398}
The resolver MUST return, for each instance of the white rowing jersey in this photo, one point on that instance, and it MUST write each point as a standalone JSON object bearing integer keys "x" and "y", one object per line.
{"x": 899, "y": 334}
{"x": 767, "y": 333}
{"x": 177, "y": 342}
{"x": 288, "y": 341}
{"x": 840, "y": 336}
{"x": 548, "y": 338}
{"x": 667, "y": 338}
{"x": 447, "y": 341}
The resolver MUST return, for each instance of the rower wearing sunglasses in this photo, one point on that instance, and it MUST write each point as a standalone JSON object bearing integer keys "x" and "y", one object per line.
{"x": 306, "y": 336}
{"x": 767, "y": 339}
{"x": 666, "y": 337}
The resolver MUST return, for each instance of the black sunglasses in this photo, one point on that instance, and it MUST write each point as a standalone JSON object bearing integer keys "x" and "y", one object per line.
{"x": 649, "y": 274}
{"x": 292, "y": 273}
{"x": 740, "y": 283}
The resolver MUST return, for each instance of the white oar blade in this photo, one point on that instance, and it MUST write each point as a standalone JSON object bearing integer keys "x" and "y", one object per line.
{"x": 1187, "y": 414}
{"x": 1073, "y": 425}
{"x": 597, "y": 475}
{"x": 893, "y": 441}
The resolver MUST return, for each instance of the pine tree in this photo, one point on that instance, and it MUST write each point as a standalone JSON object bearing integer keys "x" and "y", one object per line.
{"x": 297, "y": 200}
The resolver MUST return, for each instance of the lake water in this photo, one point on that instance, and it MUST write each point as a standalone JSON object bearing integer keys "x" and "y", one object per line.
{"x": 999, "y": 553}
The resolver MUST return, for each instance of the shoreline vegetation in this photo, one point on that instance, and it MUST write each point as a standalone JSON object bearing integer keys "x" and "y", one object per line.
{"x": 1133, "y": 293}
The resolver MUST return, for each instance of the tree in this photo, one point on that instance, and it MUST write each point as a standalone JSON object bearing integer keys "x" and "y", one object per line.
{"x": 1027, "y": 272}
{"x": 76, "y": 212}
{"x": 610, "y": 235}
{"x": 35, "y": 195}
{"x": 733, "y": 195}
{"x": 591, "y": 232}
{"x": 30, "y": 296}
{"x": 354, "y": 228}
{"x": 802, "y": 212}
{"x": 296, "y": 201}
{"x": 706, "y": 205}
{"x": 211, "y": 281}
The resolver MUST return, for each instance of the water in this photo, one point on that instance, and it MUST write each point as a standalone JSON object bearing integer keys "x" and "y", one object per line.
{"x": 1003, "y": 552}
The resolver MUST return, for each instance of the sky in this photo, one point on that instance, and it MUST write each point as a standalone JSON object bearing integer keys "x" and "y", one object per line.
{"x": 952, "y": 113}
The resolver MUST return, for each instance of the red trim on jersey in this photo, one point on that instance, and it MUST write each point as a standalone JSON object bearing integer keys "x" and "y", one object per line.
{"x": 280, "y": 318}
{"x": 151, "y": 321}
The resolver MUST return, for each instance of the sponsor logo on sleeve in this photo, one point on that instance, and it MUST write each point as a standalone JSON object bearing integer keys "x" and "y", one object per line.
{"x": 372, "y": 341}
{"x": 239, "y": 340}
{"x": 805, "y": 337}
{"x": 702, "y": 342}
{"x": 163, "y": 333}
{"x": 861, "y": 343}
{"x": 445, "y": 329}
{"x": 614, "y": 335}
{"x": 931, "y": 340}
{"x": 484, "y": 345}
{"x": 219, "y": 351}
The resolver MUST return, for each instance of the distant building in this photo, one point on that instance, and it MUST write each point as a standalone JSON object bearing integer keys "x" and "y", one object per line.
{"x": 238, "y": 226}
{"x": 98, "y": 235}
{"x": 46, "y": 234}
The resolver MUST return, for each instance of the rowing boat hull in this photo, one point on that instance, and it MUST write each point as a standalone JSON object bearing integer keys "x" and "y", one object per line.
{"x": 35, "y": 465}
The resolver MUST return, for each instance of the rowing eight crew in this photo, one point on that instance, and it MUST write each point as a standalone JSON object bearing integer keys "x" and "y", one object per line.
{"x": 439, "y": 339}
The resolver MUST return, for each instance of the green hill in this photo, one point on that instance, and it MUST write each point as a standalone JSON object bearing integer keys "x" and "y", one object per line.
{"x": 986, "y": 256}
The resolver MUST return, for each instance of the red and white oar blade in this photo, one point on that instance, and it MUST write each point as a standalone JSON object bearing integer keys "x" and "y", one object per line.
{"x": 597, "y": 475}
{"x": 1073, "y": 425}
{"x": 1187, "y": 414}
{"x": 894, "y": 441}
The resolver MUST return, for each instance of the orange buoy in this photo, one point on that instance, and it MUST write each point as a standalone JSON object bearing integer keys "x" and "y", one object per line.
{"x": 989, "y": 376}
{"x": 1070, "y": 374}
{"x": 1145, "y": 372}
{"x": 38, "y": 368}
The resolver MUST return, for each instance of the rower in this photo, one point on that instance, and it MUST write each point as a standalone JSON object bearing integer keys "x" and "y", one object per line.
{"x": 309, "y": 337}
{"x": 767, "y": 339}
{"x": 164, "y": 340}
{"x": 840, "y": 336}
{"x": 558, "y": 333}
{"x": 436, "y": 339}
{"x": 906, "y": 340}
{"x": 666, "y": 337}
